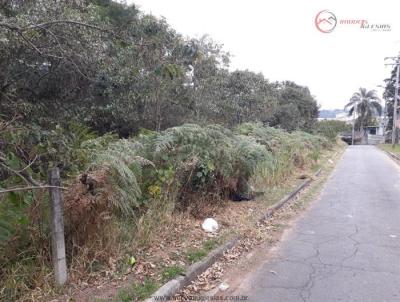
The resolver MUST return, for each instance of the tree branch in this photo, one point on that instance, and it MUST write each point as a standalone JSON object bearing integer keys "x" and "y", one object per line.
{"x": 30, "y": 164}
{"x": 5, "y": 125}
{"x": 30, "y": 188}
{"x": 25, "y": 177}
{"x": 20, "y": 29}
{"x": 45, "y": 24}
{"x": 10, "y": 27}
{"x": 66, "y": 22}
{"x": 30, "y": 43}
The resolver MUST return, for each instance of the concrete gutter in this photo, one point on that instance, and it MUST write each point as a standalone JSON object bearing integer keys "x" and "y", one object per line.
{"x": 289, "y": 197}
{"x": 395, "y": 157}
{"x": 169, "y": 289}
{"x": 172, "y": 287}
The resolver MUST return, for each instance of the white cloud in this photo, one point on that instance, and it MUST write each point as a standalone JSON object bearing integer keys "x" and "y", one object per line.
{"x": 279, "y": 39}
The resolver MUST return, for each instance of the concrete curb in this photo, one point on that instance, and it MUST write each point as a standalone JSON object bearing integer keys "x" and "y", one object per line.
{"x": 393, "y": 156}
{"x": 169, "y": 289}
{"x": 288, "y": 197}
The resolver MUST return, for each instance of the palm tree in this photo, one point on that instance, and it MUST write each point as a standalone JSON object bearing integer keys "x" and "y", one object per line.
{"x": 366, "y": 104}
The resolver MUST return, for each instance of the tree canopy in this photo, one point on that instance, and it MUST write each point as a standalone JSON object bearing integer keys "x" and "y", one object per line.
{"x": 114, "y": 68}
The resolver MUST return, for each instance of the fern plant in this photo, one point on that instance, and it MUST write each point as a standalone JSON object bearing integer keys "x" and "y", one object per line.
{"x": 288, "y": 150}
{"x": 124, "y": 168}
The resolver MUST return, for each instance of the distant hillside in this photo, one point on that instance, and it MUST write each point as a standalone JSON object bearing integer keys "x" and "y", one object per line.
{"x": 325, "y": 113}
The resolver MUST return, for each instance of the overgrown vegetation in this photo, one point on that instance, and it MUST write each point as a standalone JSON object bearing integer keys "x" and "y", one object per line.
{"x": 141, "y": 122}
{"x": 181, "y": 168}
{"x": 331, "y": 128}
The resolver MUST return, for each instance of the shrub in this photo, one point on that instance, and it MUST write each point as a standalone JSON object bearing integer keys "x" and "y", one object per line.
{"x": 189, "y": 164}
{"x": 205, "y": 161}
{"x": 331, "y": 128}
{"x": 288, "y": 150}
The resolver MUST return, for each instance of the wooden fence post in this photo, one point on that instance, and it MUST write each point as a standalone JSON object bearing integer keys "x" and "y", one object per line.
{"x": 57, "y": 228}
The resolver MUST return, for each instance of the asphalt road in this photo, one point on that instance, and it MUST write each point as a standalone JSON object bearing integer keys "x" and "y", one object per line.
{"x": 346, "y": 247}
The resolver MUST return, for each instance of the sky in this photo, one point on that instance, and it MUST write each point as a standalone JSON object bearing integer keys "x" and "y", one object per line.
{"x": 280, "y": 39}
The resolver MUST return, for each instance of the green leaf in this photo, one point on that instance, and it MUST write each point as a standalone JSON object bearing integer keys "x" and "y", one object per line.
{"x": 13, "y": 197}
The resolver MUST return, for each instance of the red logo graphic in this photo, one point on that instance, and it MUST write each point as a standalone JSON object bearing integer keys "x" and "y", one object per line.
{"x": 325, "y": 21}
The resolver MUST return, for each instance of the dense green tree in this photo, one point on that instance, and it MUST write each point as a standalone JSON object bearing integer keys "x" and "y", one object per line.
{"x": 332, "y": 128}
{"x": 297, "y": 108}
{"x": 77, "y": 61}
{"x": 108, "y": 65}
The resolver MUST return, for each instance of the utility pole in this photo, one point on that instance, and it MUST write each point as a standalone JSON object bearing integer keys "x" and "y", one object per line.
{"x": 385, "y": 113}
{"x": 354, "y": 122}
{"x": 396, "y": 92}
{"x": 395, "y": 102}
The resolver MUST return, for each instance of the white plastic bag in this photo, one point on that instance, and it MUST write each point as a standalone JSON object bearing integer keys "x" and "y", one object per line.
{"x": 210, "y": 225}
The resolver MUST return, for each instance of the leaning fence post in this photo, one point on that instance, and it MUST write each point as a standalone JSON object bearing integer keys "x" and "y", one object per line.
{"x": 57, "y": 228}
